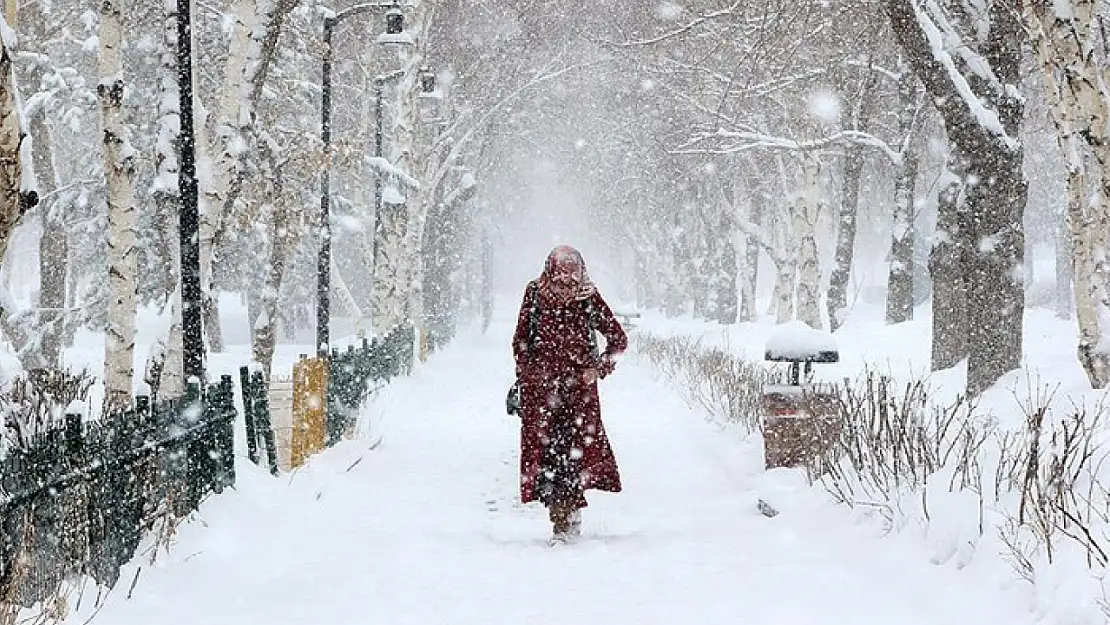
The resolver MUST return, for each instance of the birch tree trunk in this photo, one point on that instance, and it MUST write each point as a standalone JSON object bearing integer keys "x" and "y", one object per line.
{"x": 389, "y": 296}
{"x": 164, "y": 371}
{"x": 786, "y": 267}
{"x": 750, "y": 273}
{"x": 228, "y": 145}
{"x": 280, "y": 235}
{"x": 255, "y": 35}
{"x": 13, "y": 202}
{"x": 410, "y": 154}
{"x": 1064, "y": 42}
{"x": 807, "y": 212}
{"x": 119, "y": 171}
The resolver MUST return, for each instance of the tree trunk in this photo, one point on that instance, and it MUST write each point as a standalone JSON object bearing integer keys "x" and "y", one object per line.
{"x": 809, "y": 261}
{"x": 1088, "y": 243}
{"x": 227, "y": 149}
{"x": 949, "y": 290}
{"x": 845, "y": 238}
{"x": 13, "y": 202}
{"x": 389, "y": 309}
{"x": 837, "y": 298}
{"x": 487, "y": 280}
{"x": 53, "y": 245}
{"x": 899, "y": 299}
{"x": 996, "y": 297}
{"x": 726, "y": 295}
{"x": 983, "y": 128}
{"x": 750, "y": 274}
{"x": 1064, "y": 41}
{"x": 1063, "y": 264}
{"x": 164, "y": 371}
{"x": 119, "y": 172}
{"x": 786, "y": 268}
{"x": 254, "y": 44}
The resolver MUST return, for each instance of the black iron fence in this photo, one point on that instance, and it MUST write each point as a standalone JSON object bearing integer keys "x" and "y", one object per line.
{"x": 352, "y": 374}
{"x": 78, "y": 499}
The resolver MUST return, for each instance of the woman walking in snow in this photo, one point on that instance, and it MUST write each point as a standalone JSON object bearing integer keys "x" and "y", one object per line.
{"x": 563, "y": 445}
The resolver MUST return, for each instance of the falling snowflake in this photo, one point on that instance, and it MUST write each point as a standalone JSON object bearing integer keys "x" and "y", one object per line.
{"x": 668, "y": 11}
{"x": 824, "y": 105}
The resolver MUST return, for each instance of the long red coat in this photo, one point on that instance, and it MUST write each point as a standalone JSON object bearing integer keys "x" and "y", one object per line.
{"x": 557, "y": 360}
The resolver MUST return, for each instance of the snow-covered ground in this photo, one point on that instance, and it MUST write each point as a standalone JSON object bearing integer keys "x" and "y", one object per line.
{"x": 417, "y": 522}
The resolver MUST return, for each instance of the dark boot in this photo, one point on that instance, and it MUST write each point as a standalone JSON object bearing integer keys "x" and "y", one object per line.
{"x": 559, "y": 513}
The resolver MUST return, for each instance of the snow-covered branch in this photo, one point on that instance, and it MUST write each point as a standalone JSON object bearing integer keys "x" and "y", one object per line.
{"x": 985, "y": 117}
{"x": 387, "y": 169}
{"x": 740, "y": 141}
{"x": 686, "y": 28}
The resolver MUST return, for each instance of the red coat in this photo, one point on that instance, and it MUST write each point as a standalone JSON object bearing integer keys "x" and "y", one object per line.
{"x": 558, "y": 359}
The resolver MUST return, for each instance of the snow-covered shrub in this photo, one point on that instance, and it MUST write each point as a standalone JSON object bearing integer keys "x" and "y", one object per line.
{"x": 726, "y": 387}
{"x": 1037, "y": 496}
{"x": 35, "y": 402}
{"x": 892, "y": 440}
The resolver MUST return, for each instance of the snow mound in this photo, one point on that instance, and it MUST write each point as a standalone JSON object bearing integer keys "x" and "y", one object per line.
{"x": 797, "y": 341}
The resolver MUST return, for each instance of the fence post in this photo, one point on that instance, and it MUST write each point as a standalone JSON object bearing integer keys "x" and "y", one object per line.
{"x": 75, "y": 438}
{"x": 262, "y": 412}
{"x": 192, "y": 413}
{"x": 248, "y": 413}
{"x": 224, "y": 438}
{"x": 310, "y": 406}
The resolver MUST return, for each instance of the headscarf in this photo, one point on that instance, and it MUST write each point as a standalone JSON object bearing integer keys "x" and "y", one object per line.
{"x": 564, "y": 260}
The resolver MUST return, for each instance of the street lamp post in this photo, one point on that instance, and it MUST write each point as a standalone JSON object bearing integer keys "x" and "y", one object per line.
{"x": 189, "y": 215}
{"x": 394, "y": 26}
{"x": 379, "y": 103}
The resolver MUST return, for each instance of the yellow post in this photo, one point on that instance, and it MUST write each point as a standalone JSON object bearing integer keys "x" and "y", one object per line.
{"x": 422, "y": 342}
{"x": 310, "y": 406}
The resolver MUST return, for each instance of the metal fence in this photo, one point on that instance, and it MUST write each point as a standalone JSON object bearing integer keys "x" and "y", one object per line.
{"x": 78, "y": 499}
{"x": 351, "y": 375}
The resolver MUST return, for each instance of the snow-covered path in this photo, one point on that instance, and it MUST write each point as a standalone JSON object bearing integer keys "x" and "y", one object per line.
{"x": 424, "y": 529}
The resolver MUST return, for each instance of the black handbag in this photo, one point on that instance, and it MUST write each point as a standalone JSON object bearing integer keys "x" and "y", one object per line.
{"x": 512, "y": 400}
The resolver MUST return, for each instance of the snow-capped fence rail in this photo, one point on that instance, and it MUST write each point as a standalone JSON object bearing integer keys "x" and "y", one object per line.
{"x": 78, "y": 499}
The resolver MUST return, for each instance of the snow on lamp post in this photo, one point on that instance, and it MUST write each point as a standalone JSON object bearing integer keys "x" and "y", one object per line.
{"x": 429, "y": 97}
{"x": 394, "y": 34}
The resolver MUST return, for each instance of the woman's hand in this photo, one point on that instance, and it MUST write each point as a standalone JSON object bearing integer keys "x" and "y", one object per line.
{"x": 589, "y": 376}
{"x": 605, "y": 366}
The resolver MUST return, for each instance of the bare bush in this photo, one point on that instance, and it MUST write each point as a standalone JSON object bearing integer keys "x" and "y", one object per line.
{"x": 1049, "y": 476}
{"x": 36, "y": 402}
{"x": 892, "y": 439}
{"x": 725, "y": 386}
